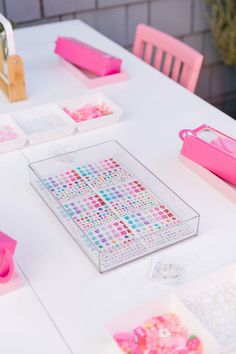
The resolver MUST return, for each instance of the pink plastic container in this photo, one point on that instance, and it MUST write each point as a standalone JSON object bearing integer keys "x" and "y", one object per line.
{"x": 7, "y": 242}
{"x": 87, "y": 57}
{"x": 91, "y": 80}
{"x": 7, "y": 249}
{"x": 211, "y": 149}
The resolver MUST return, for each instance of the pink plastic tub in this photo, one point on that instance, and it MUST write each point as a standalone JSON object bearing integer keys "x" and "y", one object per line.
{"x": 211, "y": 149}
{"x": 7, "y": 249}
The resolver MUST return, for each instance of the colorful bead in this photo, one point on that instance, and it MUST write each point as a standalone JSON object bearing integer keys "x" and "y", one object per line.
{"x": 7, "y": 133}
{"x": 160, "y": 335}
{"x": 215, "y": 307}
{"x": 88, "y": 111}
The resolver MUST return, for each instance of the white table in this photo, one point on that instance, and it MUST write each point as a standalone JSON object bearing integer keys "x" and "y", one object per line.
{"x": 65, "y": 302}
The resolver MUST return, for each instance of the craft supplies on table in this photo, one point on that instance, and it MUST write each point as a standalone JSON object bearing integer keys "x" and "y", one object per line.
{"x": 114, "y": 208}
{"x": 212, "y": 299}
{"x": 44, "y": 123}
{"x": 11, "y": 136}
{"x": 206, "y": 308}
{"x": 168, "y": 270}
{"x": 211, "y": 149}
{"x": 92, "y": 111}
{"x": 164, "y": 326}
{"x": 87, "y": 57}
{"x": 56, "y": 120}
{"x": 90, "y": 65}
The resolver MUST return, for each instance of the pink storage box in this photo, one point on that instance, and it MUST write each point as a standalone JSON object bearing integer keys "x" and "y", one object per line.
{"x": 91, "y": 80}
{"x": 211, "y": 149}
{"x": 223, "y": 187}
{"x": 87, "y": 57}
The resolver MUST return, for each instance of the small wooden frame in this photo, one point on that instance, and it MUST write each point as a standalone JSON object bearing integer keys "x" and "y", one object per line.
{"x": 12, "y": 84}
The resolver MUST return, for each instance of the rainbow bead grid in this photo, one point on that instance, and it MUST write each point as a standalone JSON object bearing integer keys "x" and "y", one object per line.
{"x": 68, "y": 185}
{"x": 113, "y": 234}
{"x": 111, "y": 207}
{"x": 104, "y": 173}
{"x": 151, "y": 220}
{"x": 128, "y": 198}
{"x": 90, "y": 212}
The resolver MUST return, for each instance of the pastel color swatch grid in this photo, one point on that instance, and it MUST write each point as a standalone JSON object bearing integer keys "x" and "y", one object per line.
{"x": 68, "y": 185}
{"x": 104, "y": 173}
{"x": 111, "y": 207}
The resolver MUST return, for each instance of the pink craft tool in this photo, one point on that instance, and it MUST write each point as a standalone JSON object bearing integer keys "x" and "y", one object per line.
{"x": 7, "y": 249}
{"x": 7, "y": 242}
{"x": 87, "y": 57}
{"x": 6, "y": 265}
{"x": 211, "y": 149}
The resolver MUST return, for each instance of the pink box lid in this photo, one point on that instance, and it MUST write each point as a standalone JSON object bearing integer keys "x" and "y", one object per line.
{"x": 87, "y": 57}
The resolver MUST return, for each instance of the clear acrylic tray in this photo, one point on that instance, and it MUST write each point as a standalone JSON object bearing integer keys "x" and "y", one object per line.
{"x": 112, "y": 205}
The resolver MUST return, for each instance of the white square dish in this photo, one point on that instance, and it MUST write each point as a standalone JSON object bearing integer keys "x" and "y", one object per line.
{"x": 96, "y": 100}
{"x": 168, "y": 304}
{"x": 212, "y": 299}
{"x": 44, "y": 123}
{"x": 11, "y": 136}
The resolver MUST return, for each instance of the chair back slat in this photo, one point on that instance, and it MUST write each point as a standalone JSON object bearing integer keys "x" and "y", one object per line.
{"x": 176, "y": 69}
{"x": 167, "y": 64}
{"x": 184, "y": 75}
{"x": 171, "y": 55}
{"x": 148, "y": 53}
{"x": 158, "y": 59}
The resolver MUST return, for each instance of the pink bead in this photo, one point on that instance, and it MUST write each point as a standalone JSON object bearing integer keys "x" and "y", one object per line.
{"x": 88, "y": 112}
{"x": 140, "y": 336}
{"x": 7, "y": 133}
{"x": 123, "y": 337}
{"x": 161, "y": 335}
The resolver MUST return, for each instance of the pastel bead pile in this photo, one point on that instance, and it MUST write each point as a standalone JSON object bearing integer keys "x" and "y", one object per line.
{"x": 7, "y": 133}
{"x": 168, "y": 272}
{"x": 89, "y": 111}
{"x": 159, "y": 335}
{"x": 41, "y": 123}
{"x": 216, "y": 309}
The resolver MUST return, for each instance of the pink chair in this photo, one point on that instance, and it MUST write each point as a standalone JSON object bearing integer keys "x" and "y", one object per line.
{"x": 169, "y": 55}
